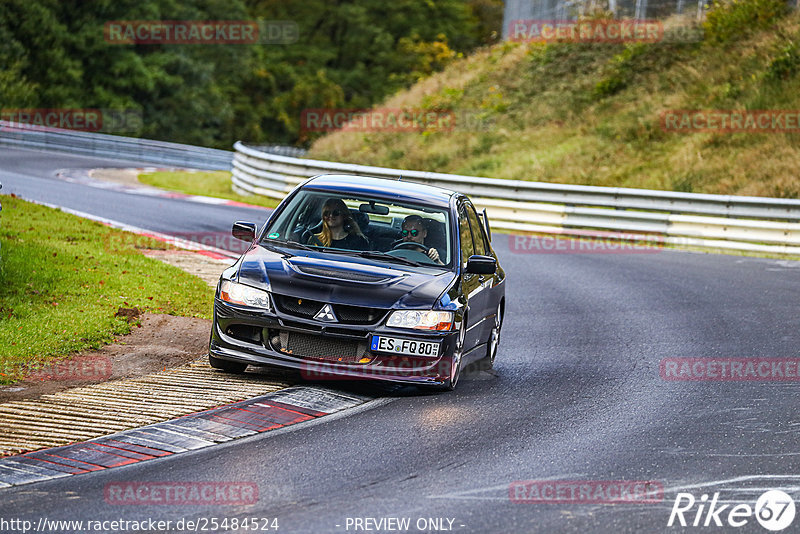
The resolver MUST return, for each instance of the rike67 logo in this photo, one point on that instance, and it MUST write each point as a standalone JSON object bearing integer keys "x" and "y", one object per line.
{"x": 774, "y": 510}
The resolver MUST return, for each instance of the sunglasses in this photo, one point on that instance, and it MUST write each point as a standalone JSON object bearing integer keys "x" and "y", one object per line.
{"x": 329, "y": 213}
{"x": 412, "y": 232}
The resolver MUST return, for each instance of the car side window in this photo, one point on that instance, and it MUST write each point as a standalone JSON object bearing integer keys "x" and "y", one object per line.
{"x": 467, "y": 247}
{"x": 477, "y": 233}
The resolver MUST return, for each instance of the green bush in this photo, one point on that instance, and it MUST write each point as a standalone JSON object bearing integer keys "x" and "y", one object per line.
{"x": 728, "y": 19}
{"x": 786, "y": 64}
{"x": 621, "y": 70}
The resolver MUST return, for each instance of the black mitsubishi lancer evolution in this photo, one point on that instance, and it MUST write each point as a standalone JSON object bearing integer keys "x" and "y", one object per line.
{"x": 360, "y": 277}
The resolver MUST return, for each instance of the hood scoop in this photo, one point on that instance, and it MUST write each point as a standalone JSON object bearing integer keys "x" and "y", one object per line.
{"x": 342, "y": 275}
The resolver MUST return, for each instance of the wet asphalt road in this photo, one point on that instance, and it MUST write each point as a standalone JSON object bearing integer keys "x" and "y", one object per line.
{"x": 575, "y": 395}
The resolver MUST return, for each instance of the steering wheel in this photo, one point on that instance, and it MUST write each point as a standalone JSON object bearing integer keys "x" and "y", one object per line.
{"x": 411, "y": 245}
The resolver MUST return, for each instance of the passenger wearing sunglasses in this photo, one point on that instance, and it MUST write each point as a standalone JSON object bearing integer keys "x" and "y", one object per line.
{"x": 414, "y": 231}
{"x": 339, "y": 229}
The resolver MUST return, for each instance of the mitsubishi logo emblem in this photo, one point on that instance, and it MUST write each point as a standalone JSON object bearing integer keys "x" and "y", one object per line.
{"x": 326, "y": 314}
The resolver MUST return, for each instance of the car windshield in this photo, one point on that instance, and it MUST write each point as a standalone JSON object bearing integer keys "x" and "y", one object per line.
{"x": 382, "y": 230}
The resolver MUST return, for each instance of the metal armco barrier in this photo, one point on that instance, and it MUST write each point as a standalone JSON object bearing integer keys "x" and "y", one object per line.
{"x": 128, "y": 148}
{"x": 754, "y": 224}
{"x": 113, "y": 146}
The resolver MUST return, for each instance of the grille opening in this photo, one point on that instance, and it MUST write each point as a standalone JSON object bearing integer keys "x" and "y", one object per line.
{"x": 318, "y": 347}
{"x": 298, "y": 307}
{"x": 357, "y": 314}
{"x": 346, "y": 314}
{"x": 243, "y": 332}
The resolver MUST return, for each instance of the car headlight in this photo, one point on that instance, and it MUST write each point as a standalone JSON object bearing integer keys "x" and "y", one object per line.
{"x": 421, "y": 319}
{"x": 244, "y": 295}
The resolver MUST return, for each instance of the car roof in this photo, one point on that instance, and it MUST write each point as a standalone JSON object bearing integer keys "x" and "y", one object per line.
{"x": 382, "y": 188}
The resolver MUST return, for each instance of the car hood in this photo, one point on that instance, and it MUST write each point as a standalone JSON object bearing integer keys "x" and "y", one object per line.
{"x": 341, "y": 279}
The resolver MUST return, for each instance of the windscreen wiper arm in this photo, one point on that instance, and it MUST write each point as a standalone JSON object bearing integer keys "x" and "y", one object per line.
{"x": 293, "y": 244}
{"x": 297, "y": 244}
{"x": 274, "y": 248}
{"x": 384, "y": 256}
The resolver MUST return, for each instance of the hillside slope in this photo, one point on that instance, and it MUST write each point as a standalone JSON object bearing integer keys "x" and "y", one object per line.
{"x": 589, "y": 113}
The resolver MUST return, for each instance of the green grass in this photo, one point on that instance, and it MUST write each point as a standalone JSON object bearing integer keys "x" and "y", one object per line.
{"x": 588, "y": 113}
{"x": 206, "y": 183}
{"x": 62, "y": 279}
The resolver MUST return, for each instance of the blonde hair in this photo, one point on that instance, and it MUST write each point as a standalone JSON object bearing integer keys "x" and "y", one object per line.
{"x": 351, "y": 226}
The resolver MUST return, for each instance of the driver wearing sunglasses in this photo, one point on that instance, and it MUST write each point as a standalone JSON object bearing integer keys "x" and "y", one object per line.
{"x": 414, "y": 230}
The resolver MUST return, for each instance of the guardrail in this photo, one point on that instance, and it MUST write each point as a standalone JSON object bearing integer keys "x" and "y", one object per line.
{"x": 113, "y": 146}
{"x": 754, "y": 224}
{"x": 129, "y": 148}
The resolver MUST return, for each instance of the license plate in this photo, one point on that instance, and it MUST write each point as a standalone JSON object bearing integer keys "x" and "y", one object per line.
{"x": 405, "y": 346}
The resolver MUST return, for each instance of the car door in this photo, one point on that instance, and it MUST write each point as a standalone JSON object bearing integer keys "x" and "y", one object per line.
{"x": 481, "y": 304}
{"x": 471, "y": 287}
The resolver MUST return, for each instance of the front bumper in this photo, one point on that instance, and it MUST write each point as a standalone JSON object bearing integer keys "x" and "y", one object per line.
{"x": 258, "y": 338}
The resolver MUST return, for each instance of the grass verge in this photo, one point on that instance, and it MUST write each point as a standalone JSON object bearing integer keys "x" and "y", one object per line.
{"x": 207, "y": 183}
{"x": 64, "y": 278}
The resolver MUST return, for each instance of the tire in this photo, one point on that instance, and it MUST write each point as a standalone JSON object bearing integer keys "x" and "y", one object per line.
{"x": 455, "y": 361}
{"x": 227, "y": 366}
{"x": 487, "y": 362}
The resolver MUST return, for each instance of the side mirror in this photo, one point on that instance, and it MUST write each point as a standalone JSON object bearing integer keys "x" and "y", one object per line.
{"x": 486, "y": 225}
{"x": 481, "y": 265}
{"x": 246, "y": 231}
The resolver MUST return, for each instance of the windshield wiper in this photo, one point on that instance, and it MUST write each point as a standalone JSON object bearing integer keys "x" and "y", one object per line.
{"x": 293, "y": 244}
{"x": 389, "y": 257}
{"x": 374, "y": 254}
{"x": 297, "y": 244}
{"x": 274, "y": 248}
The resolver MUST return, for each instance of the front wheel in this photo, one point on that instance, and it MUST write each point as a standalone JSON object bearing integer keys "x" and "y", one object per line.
{"x": 487, "y": 362}
{"x": 455, "y": 361}
{"x": 228, "y": 366}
